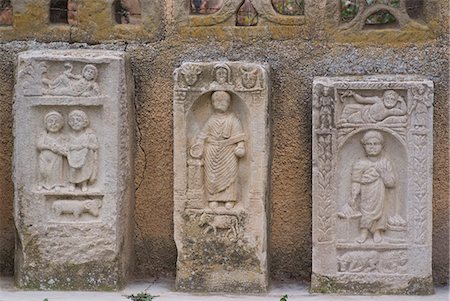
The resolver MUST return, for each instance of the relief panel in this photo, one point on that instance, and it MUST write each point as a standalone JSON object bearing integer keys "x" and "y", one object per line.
{"x": 73, "y": 168}
{"x": 372, "y": 162}
{"x": 221, "y": 176}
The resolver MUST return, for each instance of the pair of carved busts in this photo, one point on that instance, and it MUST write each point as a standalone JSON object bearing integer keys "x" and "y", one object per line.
{"x": 67, "y": 160}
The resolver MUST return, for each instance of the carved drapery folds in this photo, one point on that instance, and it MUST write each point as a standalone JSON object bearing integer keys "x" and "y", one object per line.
{"x": 72, "y": 134}
{"x": 221, "y": 169}
{"x": 372, "y": 150}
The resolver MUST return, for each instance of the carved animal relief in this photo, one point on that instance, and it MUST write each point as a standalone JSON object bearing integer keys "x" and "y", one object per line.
{"x": 220, "y": 135}
{"x": 71, "y": 140}
{"x": 372, "y": 197}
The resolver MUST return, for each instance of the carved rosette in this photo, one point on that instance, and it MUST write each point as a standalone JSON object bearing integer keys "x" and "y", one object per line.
{"x": 380, "y": 133}
{"x": 221, "y": 155}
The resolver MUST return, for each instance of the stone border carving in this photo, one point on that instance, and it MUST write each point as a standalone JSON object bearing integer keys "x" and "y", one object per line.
{"x": 374, "y": 110}
{"x": 224, "y": 16}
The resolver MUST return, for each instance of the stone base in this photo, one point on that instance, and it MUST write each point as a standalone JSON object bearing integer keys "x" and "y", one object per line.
{"x": 380, "y": 285}
{"x": 101, "y": 276}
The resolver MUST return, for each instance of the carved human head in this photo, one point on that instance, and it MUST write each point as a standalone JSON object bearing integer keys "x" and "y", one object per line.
{"x": 222, "y": 73}
{"x": 372, "y": 142}
{"x": 249, "y": 77}
{"x": 190, "y": 74}
{"x": 78, "y": 120}
{"x": 54, "y": 121}
{"x": 89, "y": 72}
{"x": 221, "y": 101}
{"x": 390, "y": 98}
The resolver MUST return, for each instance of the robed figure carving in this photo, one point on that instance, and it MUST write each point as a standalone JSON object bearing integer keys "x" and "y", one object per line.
{"x": 373, "y": 179}
{"x": 82, "y": 155}
{"x": 220, "y": 144}
{"x": 52, "y": 151}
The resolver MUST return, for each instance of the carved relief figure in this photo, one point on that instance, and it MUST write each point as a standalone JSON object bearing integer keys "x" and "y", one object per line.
{"x": 222, "y": 78}
{"x": 82, "y": 152}
{"x": 373, "y": 178}
{"x": 69, "y": 84}
{"x": 52, "y": 149}
{"x": 391, "y": 108}
{"x": 190, "y": 74}
{"x": 325, "y": 106}
{"x": 220, "y": 144}
{"x": 77, "y": 208}
{"x": 422, "y": 100}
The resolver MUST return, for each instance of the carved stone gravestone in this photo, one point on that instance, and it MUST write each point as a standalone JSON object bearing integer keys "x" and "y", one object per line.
{"x": 73, "y": 169}
{"x": 221, "y": 168}
{"x": 372, "y": 184}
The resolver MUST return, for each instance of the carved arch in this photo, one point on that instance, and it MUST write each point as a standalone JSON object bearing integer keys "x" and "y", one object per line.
{"x": 400, "y": 13}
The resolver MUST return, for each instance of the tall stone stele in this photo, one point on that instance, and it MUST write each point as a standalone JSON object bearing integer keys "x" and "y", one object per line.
{"x": 372, "y": 185}
{"x": 221, "y": 168}
{"x": 73, "y": 169}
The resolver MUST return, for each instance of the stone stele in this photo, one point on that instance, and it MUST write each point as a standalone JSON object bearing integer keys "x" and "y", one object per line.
{"x": 221, "y": 168}
{"x": 372, "y": 185}
{"x": 73, "y": 169}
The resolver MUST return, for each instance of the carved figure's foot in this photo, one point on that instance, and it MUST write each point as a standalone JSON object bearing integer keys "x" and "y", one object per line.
{"x": 71, "y": 187}
{"x": 57, "y": 188}
{"x": 363, "y": 237}
{"x": 213, "y": 205}
{"x": 229, "y": 205}
{"x": 84, "y": 187}
{"x": 377, "y": 238}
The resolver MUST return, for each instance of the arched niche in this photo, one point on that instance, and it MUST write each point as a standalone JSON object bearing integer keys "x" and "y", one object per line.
{"x": 381, "y": 18}
{"x": 247, "y": 15}
{"x": 197, "y": 116}
{"x": 351, "y": 152}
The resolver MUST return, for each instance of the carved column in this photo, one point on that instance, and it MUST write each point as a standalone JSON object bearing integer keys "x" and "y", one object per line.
{"x": 73, "y": 170}
{"x": 372, "y": 173}
{"x": 221, "y": 167}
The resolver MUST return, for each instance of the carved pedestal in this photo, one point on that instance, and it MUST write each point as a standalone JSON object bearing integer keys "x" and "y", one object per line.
{"x": 73, "y": 169}
{"x": 372, "y": 185}
{"x": 221, "y": 168}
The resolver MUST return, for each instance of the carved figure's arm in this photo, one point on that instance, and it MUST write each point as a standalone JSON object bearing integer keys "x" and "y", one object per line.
{"x": 41, "y": 144}
{"x": 92, "y": 142}
{"x": 365, "y": 100}
{"x": 388, "y": 175}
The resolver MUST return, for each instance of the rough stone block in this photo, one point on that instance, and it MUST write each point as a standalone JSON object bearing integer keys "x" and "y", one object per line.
{"x": 73, "y": 169}
{"x": 372, "y": 185}
{"x": 221, "y": 168}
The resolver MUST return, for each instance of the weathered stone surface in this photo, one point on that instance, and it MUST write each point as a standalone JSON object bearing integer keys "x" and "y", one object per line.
{"x": 73, "y": 169}
{"x": 221, "y": 167}
{"x": 372, "y": 184}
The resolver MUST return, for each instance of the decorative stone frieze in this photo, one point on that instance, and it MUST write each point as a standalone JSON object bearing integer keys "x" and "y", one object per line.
{"x": 372, "y": 184}
{"x": 73, "y": 169}
{"x": 221, "y": 169}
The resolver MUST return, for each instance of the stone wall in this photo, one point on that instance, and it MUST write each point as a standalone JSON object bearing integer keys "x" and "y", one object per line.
{"x": 296, "y": 50}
